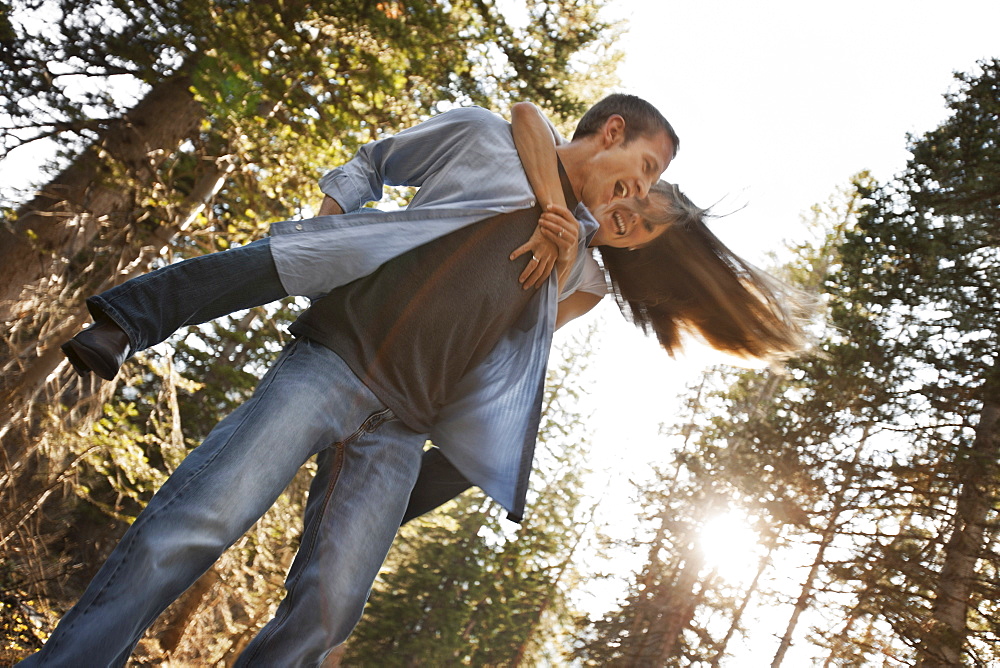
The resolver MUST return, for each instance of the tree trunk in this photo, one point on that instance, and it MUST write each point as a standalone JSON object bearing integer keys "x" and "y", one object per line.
{"x": 638, "y": 632}
{"x": 942, "y": 646}
{"x": 680, "y": 606}
{"x": 38, "y": 391}
{"x": 32, "y": 347}
{"x": 183, "y": 611}
{"x": 763, "y": 565}
{"x": 547, "y": 602}
{"x": 805, "y": 595}
{"x": 829, "y": 533}
{"x": 95, "y": 190}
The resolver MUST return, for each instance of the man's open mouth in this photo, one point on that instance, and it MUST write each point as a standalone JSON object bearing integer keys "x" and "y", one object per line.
{"x": 621, "y": 190}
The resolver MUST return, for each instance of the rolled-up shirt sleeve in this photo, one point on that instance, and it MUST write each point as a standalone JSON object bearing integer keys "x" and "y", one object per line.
{"x": 406, "y": 159}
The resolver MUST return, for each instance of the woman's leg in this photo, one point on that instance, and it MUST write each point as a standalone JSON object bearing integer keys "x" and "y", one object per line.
{"x": 151, "y": 307}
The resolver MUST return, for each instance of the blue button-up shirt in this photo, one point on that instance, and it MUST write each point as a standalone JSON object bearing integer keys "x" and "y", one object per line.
{"x": 466, "y": 167}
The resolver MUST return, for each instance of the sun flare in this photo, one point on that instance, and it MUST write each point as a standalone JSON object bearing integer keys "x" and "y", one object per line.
{"x": 731, "y": 546}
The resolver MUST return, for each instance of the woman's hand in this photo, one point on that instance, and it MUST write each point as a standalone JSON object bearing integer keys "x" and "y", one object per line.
{"x": 553, "y": 244}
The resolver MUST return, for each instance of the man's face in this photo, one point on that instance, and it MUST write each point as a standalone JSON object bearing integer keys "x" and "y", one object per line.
{"x": 619, "y": 170}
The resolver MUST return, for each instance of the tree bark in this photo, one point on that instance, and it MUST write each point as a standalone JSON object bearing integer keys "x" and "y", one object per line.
{"x": 681, "y": 606}
{"x": 805, "y": 595}
{"x": 751, "y": 591}
{"x": 547, "y": 602}
{"x": 94, "y": 190}
{"x": 183, "y": 611}
{"x": 32, "y": 357}
{"x": 943, "y": 644}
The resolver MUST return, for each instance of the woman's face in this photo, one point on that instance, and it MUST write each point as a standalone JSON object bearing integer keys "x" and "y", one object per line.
{"x": 622, "y": 227}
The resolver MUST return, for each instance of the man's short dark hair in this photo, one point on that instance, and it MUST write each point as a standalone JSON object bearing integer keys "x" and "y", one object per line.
{"x": 641, "y": 118}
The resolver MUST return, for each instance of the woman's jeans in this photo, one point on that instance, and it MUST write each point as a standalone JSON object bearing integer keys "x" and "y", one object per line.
{"x": 309, "y": 403}
{"x": 153, "y": 306}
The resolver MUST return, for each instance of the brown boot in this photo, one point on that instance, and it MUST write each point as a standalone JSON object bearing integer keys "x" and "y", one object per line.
{"x": 101, "y": 348}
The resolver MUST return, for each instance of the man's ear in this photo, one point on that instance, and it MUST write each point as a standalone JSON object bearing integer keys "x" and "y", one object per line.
{"x": 613, "y": 132}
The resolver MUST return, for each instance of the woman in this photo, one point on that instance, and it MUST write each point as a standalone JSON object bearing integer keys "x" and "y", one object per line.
{"x": 682, "y": 278}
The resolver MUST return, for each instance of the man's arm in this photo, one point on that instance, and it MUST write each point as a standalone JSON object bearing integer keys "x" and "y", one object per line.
{"x": 408, "y": 158}
{"x": 329, "y": 207}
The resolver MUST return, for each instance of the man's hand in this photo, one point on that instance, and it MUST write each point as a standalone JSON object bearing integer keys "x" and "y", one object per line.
{"x": 553, "y": 244}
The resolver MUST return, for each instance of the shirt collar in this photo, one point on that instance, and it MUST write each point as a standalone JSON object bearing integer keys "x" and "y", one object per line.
{"x": 582, "y": 213}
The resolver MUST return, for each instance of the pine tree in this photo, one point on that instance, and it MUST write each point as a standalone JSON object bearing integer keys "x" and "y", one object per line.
{"x": 924, "y": 264}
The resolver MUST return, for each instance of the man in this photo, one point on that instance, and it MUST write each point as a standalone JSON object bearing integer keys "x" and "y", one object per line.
{"x": 426, "y": 333}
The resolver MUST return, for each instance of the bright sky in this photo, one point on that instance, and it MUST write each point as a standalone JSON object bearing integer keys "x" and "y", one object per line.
{"x": 777, "y": 104}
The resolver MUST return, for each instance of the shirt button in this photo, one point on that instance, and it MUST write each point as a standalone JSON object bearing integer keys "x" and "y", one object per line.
{"x": 299, "y": 227}
{"x": 531, "y": 202}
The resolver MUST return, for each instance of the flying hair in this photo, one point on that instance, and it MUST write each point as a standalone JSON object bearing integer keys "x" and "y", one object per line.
{"x": 687, "y": 281}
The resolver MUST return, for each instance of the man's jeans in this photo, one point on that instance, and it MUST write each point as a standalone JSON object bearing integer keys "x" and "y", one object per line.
{"x": 309, "y": 402}
{"x": 153, "y": 306}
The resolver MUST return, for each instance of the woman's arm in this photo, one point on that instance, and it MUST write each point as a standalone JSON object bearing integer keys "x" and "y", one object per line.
{"x": 535, "y": 139}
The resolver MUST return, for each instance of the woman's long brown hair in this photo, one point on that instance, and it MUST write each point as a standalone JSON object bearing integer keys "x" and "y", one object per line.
{"x": 688, "y": 281}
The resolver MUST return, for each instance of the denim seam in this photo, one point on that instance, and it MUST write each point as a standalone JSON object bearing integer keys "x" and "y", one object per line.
{"x": 179, "y": 494}
{"x": 370, "y": 425}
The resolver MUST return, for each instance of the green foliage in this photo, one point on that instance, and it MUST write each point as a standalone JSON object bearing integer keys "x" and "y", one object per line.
{"x": 19, "y": 628}
{"x": 330, "y": 74}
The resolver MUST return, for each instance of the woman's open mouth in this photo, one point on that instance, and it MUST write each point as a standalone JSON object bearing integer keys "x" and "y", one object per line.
{"x": 619, "y": 223}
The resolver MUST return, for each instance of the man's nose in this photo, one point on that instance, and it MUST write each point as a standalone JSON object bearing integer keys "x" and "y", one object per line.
{"x": 642, "y": 189}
